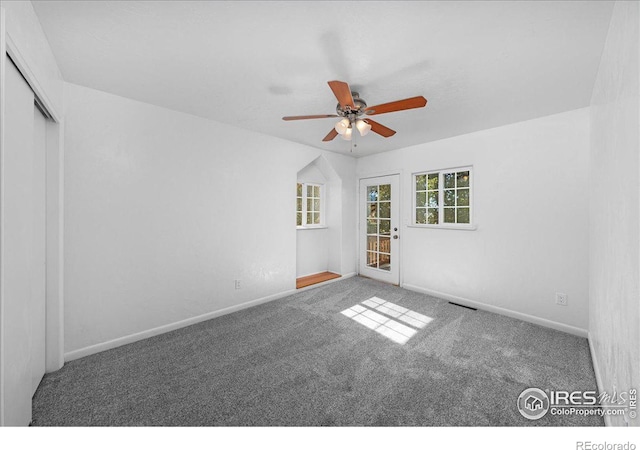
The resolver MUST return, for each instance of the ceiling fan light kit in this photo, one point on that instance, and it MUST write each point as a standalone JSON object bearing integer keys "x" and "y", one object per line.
{"x": 351, "y": 107}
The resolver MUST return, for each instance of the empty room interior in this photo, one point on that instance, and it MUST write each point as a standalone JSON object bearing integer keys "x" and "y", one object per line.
{"x": 338, "y": 214}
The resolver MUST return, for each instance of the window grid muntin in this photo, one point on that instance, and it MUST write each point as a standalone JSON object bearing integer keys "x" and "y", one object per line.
{"x": 425, "y": 212}
{"x": 309, "y": 205}
{"x": 378, "y": 211}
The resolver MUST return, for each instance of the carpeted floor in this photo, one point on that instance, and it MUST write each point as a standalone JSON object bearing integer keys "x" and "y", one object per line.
{"x": 299, "y": 361}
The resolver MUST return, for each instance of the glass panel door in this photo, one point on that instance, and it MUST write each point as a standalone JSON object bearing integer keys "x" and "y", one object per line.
{"x": 379, "y": 228}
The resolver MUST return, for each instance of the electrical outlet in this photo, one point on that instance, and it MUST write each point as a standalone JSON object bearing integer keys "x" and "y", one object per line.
{"x": 561, "y": 299}
{"x": 237, "y": 284}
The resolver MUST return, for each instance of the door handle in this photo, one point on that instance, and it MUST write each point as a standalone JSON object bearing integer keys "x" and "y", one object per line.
{"x": 395, "y": 236}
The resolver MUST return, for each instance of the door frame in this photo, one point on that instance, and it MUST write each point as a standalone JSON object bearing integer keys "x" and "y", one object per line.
{"x": 54, "y": 184}
{"x": 401, "y": 219}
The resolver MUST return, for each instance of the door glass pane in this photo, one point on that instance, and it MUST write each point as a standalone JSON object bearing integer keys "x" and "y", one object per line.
{"x": 421, "y": 199}
{"x": 372, "y": 259}
{"x": 372, "y": 243}
{"x": 385, "y": 245}
{"x": 421, "y": 182}
{"x": 372, "y": 226}
{"x": 385, "y": 262}
{"x": 378, "y": 240}
{"x": 372, "y": 193}
{"x": 385, "y": 227}
{"x": 384, "y": 192}
{"x": 385, "y": 209}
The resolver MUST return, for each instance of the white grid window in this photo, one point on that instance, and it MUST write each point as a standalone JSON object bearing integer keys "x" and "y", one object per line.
{"x": 443, "y": 197}
{"x": 309, "y": 205}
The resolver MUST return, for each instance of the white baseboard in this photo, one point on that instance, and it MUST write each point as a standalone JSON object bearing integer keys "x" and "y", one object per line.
{"x": 502, "y": 311}
{"x": 90, "y": 350}
{"x": 596, "y": 370}
{"x": 108, "y": 345}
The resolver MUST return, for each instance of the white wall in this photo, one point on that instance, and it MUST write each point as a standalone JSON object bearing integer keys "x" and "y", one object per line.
{"x": 165, "y": 210}
{"x": 531, "y": 211}
{"x": 614, "y": 284}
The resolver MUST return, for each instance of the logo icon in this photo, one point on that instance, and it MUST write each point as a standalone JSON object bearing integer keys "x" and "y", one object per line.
{"x": 533, "y": 403}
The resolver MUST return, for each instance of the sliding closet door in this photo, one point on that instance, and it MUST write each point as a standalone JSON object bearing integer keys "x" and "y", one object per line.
{"x": 38, "y": 250}
{"x": 17, "y": 248}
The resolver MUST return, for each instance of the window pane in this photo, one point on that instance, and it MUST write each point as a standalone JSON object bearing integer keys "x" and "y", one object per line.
{"x": 385, "y": 192}
{"x": 450, "y": 197}
{"x": 385, "y": 262}
{"x": 463, "y": 197}
{"x": 421, "y": 215}
{"x": 309, "y": 218}
{"x": 432, "y": 216}
{"x": 433, "y": 199}
{"x": 299, "y": 190}
{"x": 421, "y": 182}
{"x": 463, "y": 215}
{"x": 385, "y": 245}
{"x": 316, "y": 205}
{"x": 309, "y": 204}
{"x": 316, "y": 218}
{"x": 299, "y": 204}
{"x": 309, "y": 191}
{"x": 372, "y": 259}
{"x": 449, "y": 180}
{"x": 316, "y": 191}
{"x": 421, "y": 199}
{"x": 450, "y": 215}
{"x": 372, "y": 210}
{"x": 372, "y": 226}
{"x": 463, "y": 179}
{"x": 299, "y": 219}
{"x": 432, "y": 183}
{"x": 372, "y": 193}
{"x": 372, "y": 243}
{"x": 385, "y": 209}
{"x": 385, "y": 227}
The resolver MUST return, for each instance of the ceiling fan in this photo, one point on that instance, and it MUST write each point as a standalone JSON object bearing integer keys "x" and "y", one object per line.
{"x": 351, "y": 108}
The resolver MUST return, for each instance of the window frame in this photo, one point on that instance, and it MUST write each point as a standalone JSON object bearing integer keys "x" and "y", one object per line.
{"x": 441, "y": 224}
{"x": 305, "y": 225}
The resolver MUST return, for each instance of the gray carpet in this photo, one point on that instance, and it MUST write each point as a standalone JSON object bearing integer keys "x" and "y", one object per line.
{"x": 299, "y": 362}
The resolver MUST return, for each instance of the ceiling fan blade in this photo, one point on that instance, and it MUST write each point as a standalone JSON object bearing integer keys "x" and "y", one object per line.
{"x": 342, "y": 91}
{"x": 317, "y": 116}
{"x": 332, "y": 134}
{"x": 399, "y": 105}
{"x": 380, "y": 129}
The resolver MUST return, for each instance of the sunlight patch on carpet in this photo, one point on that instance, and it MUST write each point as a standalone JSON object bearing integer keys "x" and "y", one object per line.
{"x": 385, "y": 318}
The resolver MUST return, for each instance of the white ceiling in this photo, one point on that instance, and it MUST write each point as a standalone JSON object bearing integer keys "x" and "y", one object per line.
{"x": 479, "y": 64}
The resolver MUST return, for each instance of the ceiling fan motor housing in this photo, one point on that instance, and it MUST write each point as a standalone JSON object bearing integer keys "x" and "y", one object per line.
{"x": 360, "y": 106}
